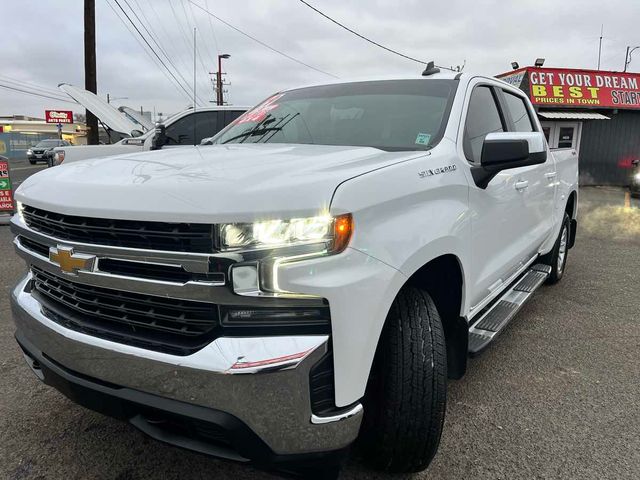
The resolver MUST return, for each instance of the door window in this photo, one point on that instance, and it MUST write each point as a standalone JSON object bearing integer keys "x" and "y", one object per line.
{"x": 181, "y": 132}
{"x": 565, "y": 137}
{"x": 519, "y": 113}
{"x": 483, "y": 117}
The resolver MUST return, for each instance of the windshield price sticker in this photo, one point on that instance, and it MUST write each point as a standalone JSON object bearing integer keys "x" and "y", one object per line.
{"x": 6, "y": 194}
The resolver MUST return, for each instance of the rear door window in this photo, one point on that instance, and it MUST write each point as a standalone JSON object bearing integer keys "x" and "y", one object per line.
{"x": 519, "y": 112}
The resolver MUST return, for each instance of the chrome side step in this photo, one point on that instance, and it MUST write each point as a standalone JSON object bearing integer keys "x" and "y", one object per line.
{"x": 492, "y": 321}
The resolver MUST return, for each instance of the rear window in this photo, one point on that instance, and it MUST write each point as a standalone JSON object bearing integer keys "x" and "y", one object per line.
{"x": 390, "y": 115}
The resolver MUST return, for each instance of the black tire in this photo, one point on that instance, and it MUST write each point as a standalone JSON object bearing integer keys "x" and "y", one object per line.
{"x": 407, "y": 392}
{"x": 557, "y": 257}
{"x": 32, "y": 162}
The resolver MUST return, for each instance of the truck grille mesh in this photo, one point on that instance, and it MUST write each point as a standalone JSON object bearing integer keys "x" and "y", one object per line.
{"x": 168, "y": 325}
{"x": 178, "y": 237}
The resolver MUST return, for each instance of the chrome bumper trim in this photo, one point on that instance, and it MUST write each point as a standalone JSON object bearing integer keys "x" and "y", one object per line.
{"x": 356, "y": 410}
{"x": 272, "y": 395}
{"x": 227, "y": 355}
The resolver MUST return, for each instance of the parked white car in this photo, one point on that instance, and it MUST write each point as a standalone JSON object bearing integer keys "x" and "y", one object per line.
{"x": 311, "y": 278}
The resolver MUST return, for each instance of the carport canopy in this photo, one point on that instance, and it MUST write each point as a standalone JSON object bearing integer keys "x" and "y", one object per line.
{"x": 565, "y": 115}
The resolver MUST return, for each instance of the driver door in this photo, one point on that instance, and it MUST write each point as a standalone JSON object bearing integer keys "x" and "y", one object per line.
{"x": 500, "y": 220}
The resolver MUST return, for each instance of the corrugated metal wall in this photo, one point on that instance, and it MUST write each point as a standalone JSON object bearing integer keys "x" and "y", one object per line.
{"x": 608, "y": 147}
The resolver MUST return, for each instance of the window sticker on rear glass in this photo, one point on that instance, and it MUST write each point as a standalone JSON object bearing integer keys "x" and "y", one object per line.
{"x": 423, "y": 139}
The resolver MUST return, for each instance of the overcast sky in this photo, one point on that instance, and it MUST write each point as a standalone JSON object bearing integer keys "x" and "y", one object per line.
{"x": 42, "y": 43}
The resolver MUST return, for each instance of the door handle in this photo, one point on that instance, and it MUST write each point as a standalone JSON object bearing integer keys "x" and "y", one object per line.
{"x": 550, "y": 175}
{"x": 521, "y": 185}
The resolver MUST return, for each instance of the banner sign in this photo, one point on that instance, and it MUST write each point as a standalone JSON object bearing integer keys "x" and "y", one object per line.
{"x": 584, "y": 88}
{"x": 514, "y": 78}
{"x": 6, "y": 194}
{"x": 58, "y": 116}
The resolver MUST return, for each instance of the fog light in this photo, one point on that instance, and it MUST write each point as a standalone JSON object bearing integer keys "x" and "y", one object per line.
{"x": 245, "y": 278}
{"x": 284, "y": 316}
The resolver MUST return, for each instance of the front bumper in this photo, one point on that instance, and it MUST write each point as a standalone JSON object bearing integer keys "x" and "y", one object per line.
{"x": 268, "y": 402}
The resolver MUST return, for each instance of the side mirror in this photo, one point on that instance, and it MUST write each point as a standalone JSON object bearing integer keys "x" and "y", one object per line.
{"x": 159, "y": 137}
{"x": 505, "y": 150}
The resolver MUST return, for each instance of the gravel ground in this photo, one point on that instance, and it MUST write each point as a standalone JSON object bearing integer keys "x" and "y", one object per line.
{"x": 557, "y": 396}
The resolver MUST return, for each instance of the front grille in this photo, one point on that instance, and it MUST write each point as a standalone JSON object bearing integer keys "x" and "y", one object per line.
{"x": 178, "y": 237}
{"x": 178, "y": 327}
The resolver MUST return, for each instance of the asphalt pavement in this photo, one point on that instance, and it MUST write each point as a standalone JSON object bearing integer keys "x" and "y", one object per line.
{"x": 556, "y": 397}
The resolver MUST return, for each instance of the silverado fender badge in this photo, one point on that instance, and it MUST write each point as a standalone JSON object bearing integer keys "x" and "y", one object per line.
{"x": 69, "y": 261}
{"x": 436, "y": 171}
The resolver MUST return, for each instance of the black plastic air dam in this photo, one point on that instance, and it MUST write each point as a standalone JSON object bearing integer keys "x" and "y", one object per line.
{"x": 195, "y": 428}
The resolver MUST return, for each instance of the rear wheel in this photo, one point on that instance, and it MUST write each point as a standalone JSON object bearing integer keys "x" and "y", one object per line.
{"x": 557, "y": 257}
{"x": 407, "y": 392}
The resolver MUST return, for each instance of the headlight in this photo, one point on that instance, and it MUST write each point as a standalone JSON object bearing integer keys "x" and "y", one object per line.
{"x": 29, "y": 152}
{"x": 333, "y": 233}
{"x": 20, "y": 210}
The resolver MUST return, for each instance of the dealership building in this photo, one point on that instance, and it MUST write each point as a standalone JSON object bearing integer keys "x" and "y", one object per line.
{"x": 594, "y": 111}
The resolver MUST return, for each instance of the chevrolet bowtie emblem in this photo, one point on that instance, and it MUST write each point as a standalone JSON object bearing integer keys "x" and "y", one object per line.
{"x": 70, "y": 262}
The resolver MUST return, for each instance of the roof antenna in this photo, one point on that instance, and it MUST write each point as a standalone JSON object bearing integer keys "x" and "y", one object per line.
{"x": 430, "y": 70}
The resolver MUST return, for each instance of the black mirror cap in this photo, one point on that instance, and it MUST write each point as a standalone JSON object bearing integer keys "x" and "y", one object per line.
{"x": 159, "y": 137}
{"x": 499, "y": 153}
{"x": 503, "y": 154}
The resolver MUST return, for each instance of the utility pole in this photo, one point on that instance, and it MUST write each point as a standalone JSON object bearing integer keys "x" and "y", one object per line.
{"x": 90, "y": 82}
{"x": 219, "y": 92}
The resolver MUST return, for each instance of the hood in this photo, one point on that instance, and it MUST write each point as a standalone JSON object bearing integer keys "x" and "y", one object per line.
{"x": 108, "y": 115}
{"x": 137, "y": 117}
{"x": 209, "y": 184}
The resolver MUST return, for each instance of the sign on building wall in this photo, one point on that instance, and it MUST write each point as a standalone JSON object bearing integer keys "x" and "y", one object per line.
{"x": 583, "y": 88}
{"x": 58, "y": 116}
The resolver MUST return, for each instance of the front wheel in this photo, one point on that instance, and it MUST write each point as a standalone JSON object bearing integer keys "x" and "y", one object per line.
{"x": 32, "y": 162}
{"x": 407, "y": 392}
{"x": 557, "y": 257}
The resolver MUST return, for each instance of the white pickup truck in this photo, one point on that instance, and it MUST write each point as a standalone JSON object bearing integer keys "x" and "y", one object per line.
{"x": 310, "y": 279}
{"x": 188, "y": 127}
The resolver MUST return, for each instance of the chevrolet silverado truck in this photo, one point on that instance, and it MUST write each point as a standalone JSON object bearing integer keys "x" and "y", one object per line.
{"x": 309, "y": 281}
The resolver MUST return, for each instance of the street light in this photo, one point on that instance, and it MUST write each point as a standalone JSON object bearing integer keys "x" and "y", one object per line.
{"x": 219, "y": 95}
{"x": 627, "y": 58}
{"x": 539, "y": 62}
{"x": 515, "y": 65}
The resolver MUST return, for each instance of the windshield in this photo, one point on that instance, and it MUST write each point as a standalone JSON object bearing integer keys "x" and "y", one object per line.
{"x": 48, "y": 143}
{"x": 390, "y": 115}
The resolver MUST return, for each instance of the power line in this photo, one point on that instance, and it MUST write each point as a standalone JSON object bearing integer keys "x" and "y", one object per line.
{"x": 153, "y": 60}
{"x": 174, "y": 45}
{"x": 32, "y": 86}
{"x": 153, "y": 38}
{"x": 261, "y": 42}
{"x": 8, "y": 87}
{"x": 151, "y": 48}
{"x": 365, "y": 38}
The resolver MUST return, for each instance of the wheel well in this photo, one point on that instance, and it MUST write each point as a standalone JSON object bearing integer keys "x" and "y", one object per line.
{"x": 570, "y": 209}
{"x": 442, "y": 279}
